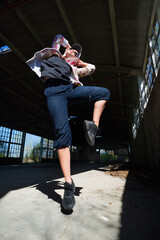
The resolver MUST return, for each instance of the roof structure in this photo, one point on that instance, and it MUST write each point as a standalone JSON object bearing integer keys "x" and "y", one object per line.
{"x": 114, "y": 36}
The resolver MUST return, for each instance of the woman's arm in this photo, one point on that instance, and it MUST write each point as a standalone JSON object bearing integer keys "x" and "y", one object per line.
{"x": 85, "y": 68}
{"x": 58, "y": 41}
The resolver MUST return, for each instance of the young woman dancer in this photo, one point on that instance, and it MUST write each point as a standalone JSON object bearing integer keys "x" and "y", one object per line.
{"x": 60, "y": 74}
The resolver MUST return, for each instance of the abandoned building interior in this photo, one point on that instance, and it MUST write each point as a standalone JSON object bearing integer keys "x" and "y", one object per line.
{"x": 122, "y": 39}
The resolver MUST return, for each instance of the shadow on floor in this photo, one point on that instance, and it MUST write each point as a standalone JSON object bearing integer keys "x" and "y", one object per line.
{"x": 140, "y": 216}
{"x": 40, "y": 176}
{"x": 49, "y": 189}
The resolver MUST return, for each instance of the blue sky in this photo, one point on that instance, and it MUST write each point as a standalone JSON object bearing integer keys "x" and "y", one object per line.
{"x": 30, "y": 141}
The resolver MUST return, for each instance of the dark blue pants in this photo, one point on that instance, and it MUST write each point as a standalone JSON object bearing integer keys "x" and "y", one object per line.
{"x": 58, "y": 98}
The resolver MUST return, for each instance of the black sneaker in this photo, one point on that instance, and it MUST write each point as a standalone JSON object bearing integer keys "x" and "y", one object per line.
{"x": 90, "y": 132}
{"x": 68, "y": 201}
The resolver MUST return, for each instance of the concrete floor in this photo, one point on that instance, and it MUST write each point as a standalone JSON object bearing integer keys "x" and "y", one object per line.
{"x": 107, "y": 207}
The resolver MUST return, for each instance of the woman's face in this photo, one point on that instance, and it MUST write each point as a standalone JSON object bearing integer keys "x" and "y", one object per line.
{"x": 71, "y": 53}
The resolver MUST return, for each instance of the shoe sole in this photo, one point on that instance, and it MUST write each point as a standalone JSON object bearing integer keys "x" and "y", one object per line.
{"x": 86, "y": 125}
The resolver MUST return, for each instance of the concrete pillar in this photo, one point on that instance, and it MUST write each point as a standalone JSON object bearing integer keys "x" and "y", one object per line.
{"x": 146, "y": 147}
{"x": 41, "y": 150}
{"x": 9, "y": 143}
{"x": 116, "y": 153}
{"x": 22, "y": 147}
{"x": 88, "y": 154}
{"x": 77, "y": 159}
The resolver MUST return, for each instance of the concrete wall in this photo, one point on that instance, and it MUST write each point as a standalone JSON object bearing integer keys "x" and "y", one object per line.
{"x": 5, "y": 161}
{"x": 146, "y": 147}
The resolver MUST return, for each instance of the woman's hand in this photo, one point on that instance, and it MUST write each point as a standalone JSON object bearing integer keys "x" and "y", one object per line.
{"x": 68, "y": 46}
{"x": 80, "y": 63}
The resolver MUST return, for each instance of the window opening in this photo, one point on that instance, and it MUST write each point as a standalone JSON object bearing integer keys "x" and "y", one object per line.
{"x": 5, "y": 49}
{"x": 146, "y": 82}
{"x": 10, "y": 142}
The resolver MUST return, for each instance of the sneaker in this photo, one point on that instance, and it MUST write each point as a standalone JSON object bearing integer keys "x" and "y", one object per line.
{"x": 68, "y": 201}
{"x": 90, "y": 132}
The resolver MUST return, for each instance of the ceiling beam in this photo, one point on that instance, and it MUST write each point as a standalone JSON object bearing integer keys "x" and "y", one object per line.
{"x": 18, "y": 76}
{"x": 26, "y": 85}
{"x": 13, "y": 112}
{"x": 13, "y": 48}
{"x": 10, "y": 78}
{"x": 120, "y": 69}
{"x": 29, "y": 26}
{"x": 13, "y": 5}
{"x": 116, "y": 50}
{"x": 21, "y": 111}
{"x": 69, "y": 27}
{"x": 24, "y": 100}
{"x": 99, "y": 67}
{"x": 153, "y": 13}
{"x": 66, "y": 20}
{"x": 22, "y": 58}
{"x": 114, "y": 31}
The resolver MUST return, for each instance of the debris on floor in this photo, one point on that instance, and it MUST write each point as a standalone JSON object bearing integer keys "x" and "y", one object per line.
{"x": 143, "y": 176}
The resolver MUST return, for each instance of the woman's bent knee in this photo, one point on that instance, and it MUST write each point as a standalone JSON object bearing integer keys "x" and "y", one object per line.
{"x": 105, "y": 94}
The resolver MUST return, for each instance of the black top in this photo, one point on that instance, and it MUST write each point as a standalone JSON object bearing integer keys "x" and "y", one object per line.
{"x": 55, "y": 68}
